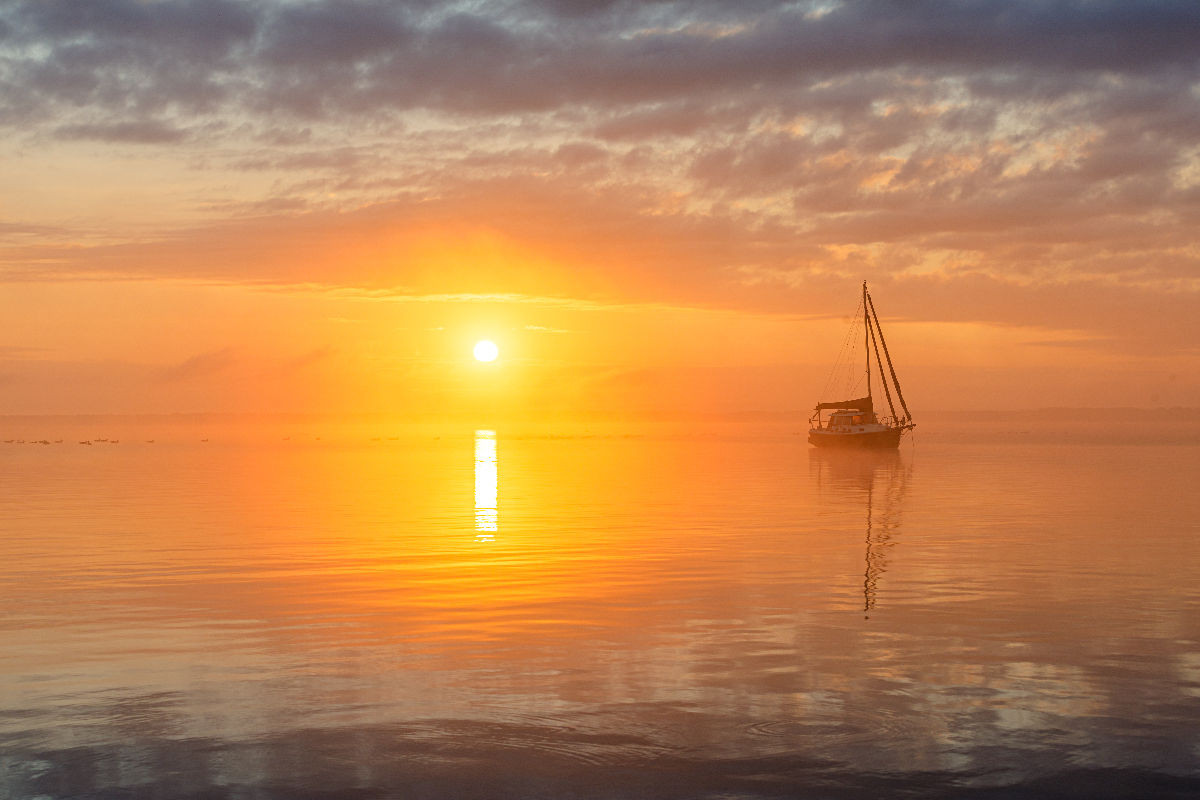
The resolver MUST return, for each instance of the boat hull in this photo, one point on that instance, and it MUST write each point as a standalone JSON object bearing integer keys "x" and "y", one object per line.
{"x": 856, "y": 440}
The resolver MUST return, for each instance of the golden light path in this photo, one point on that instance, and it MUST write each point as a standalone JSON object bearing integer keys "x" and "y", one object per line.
{"x": 486, "y": 484}
{"x": 486, "y": 350}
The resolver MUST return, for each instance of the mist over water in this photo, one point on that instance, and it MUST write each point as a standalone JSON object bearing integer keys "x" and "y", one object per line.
{"x": 1007, "y": 607}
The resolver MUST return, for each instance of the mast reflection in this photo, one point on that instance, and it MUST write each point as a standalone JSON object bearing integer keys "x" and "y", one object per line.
{"x": 883, "y": 477}
{"x": 486, "y": 485}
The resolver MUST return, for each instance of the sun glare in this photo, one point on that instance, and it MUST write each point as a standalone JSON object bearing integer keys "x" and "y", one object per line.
{"x": 486, "y": 350}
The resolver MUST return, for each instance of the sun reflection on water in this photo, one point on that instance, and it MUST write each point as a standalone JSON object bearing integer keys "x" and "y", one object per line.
{"x": 486, "y": 485}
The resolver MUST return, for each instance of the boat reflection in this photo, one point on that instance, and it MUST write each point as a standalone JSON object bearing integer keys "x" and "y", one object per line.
{"x": 880, "y": 479}
{"x": 486, "y": 485}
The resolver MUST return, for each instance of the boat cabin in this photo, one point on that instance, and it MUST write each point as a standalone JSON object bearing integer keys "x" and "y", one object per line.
{"x": 849, "y": 419}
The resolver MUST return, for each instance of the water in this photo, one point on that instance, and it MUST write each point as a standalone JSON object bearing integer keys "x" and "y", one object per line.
{"x": 714, "y": 610}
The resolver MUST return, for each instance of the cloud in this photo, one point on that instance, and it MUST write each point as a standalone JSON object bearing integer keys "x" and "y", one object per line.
{"x": 198, "y": 366}
{"x": 320, "y": 58}
{"x": 205, "y": 27}
{"x": 30, "y": 229}
{"x": 539, "y": 239}
{"x": 132, "y": 132}
{"x": 343, "y": 33}
{"x": 1017, "y": 162}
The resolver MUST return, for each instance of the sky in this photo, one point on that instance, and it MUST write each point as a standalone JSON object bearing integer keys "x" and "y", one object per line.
{"x": 651, "y": 207}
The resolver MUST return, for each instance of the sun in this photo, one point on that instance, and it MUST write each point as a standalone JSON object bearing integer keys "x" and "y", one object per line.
{"x": 486, "y": 350}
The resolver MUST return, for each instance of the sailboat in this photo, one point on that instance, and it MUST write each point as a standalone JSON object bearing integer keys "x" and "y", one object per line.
{"x": 854, "y": 423}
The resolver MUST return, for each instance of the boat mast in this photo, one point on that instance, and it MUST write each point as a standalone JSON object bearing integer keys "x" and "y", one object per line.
{"x": 867, "y": 338}
{"x": 887, "y": 392}
{"x": 891, "y": 369}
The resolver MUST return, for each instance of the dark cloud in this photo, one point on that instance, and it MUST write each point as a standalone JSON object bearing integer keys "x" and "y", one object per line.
{"x": 575, "y": 8}
{"x": 133, "y": 132}
{"x": 196, "y": 28}
{"x": 367, "y": 57}
{"x": 343, "y": 33}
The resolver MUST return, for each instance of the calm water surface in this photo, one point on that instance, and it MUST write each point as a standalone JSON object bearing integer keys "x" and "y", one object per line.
{"x": 661, "y": 612}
